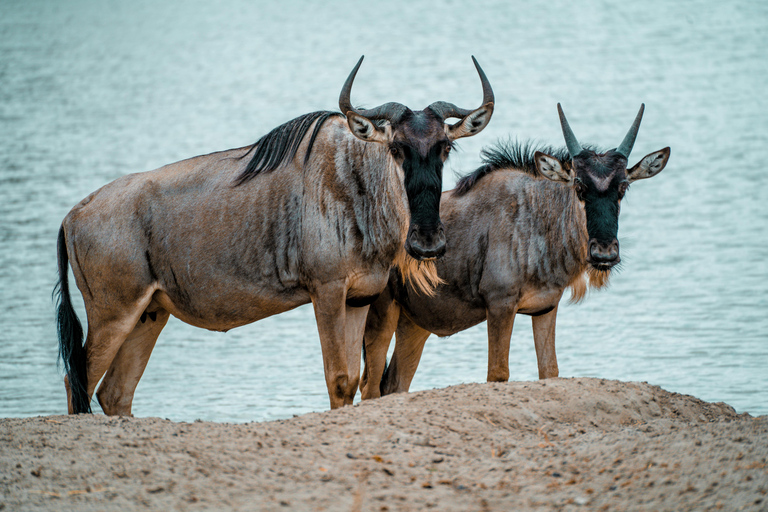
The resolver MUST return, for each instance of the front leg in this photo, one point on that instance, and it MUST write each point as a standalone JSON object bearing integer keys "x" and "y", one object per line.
{"x": 337, "y": 332}
{"x": 544, "y": 339}
{"x": 355, "y": 330}
{"x": 380, "y": 326}
{"x": 501, "y": 319}
{"x": 409, "y": 343}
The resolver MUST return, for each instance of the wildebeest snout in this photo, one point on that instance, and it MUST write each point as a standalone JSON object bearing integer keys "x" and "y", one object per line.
{"x": 603, "y": 255}
{"x": 425, "y": 244}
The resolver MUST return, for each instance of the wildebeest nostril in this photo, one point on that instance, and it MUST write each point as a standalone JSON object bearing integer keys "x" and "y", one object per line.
{"x": 604, "y": 253}
{"x": 439, "y": 249}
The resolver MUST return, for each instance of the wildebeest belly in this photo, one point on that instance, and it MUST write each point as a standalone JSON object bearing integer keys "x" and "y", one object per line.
{"x": 228, "y": 310}
{"x": 539, "y": 301}
{"x": 443, "y": 314}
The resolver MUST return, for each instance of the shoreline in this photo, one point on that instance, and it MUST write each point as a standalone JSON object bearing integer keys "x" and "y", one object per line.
{"x": 558, "y": 444}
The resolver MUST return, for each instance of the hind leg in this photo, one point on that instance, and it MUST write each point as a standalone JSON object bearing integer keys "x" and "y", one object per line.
{"x": 107, "y": 330}
{"x": 116, "y": 391}
{"x": 101, "y": 345}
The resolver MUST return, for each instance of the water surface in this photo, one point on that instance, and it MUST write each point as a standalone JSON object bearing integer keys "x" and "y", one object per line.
{"x": 90, "y": 91}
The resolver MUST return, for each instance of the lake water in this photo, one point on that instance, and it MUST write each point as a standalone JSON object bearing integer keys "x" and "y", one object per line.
{"x": 91, "y": 90}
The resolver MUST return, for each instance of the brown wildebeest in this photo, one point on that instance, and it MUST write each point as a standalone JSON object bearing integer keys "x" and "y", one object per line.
{"x": 319, "y": 209}
{"x": 521, "y": 229}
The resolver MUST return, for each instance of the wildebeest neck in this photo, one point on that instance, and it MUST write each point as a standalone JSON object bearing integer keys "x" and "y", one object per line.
{"x": 281, "y": 144}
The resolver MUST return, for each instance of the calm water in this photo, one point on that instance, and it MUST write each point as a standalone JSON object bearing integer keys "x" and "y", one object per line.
{"x": 91, "y": 90}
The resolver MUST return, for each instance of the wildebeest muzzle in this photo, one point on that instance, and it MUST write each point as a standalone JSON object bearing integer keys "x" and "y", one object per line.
{"x": 603, "y": 255}
{"x": 425, "y": 243}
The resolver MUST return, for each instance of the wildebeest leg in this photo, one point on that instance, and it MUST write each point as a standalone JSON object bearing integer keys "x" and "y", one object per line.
{"x": 501, "y": 319}
{"x": 379, "y": 328}
{"x": 409, "y": 343}
{"x": 341, "y": 375}
{"x": 355, "y": 328}
{"x": 544, "y": 339}
{"x": 107, "y": 330}
{"x": 101, "y": 344}
{"x": 116, "y": 391}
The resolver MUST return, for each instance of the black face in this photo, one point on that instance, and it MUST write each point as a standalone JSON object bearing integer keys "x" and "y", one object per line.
{"x": 600, "y": 183}
{"x": 421, "y": 147}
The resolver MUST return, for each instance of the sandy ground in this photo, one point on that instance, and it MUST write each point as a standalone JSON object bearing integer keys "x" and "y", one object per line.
{"x": 561, "y": 444}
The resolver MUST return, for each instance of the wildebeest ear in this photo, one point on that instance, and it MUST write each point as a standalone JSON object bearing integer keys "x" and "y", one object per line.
{"x": 363, "y": 128}
{"x": 550, "y": 167}
{"x": 649, "y": 166}
{"x": 472, "y": 124}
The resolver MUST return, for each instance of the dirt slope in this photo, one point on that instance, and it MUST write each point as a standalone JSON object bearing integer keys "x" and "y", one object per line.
{"x": 561, "y": 444}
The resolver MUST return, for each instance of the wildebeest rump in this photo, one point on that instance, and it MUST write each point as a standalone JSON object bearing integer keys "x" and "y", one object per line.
{"x": 319, "y": 209}
{"x": 521, "y": 229}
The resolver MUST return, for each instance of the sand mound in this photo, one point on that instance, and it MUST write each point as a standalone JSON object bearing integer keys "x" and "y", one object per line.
{"x": 558, "y": 445}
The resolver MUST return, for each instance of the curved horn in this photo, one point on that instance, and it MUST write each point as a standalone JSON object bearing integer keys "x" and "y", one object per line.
{"x": 446, "y": 110}
{"x": 629, "y": 140}
{"x": 487, "y": 91}
{"x": 574, "y": 148}
{"x": 344, "y": 104}
{"x": 390, "y": 111}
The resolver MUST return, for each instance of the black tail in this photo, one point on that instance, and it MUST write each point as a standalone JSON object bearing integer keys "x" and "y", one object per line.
{"x": 71, "y": 349}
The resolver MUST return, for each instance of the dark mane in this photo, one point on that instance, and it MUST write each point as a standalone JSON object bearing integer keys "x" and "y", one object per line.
{"x": 280, "y": 145}
{"x": 510, "y": 154}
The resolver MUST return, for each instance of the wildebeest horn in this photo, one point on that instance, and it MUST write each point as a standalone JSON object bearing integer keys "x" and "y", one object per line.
{"x": 574, "y": 148}
{"x": 344, "y": 104}
{"x": 629, "y": 140}
{"x": 446, "y": 110}
{"x": 390, "y": 111}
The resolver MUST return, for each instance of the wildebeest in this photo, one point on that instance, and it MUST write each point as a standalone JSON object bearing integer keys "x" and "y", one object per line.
{"x": 521, "y": 229}
{"x": 319, "y": 209}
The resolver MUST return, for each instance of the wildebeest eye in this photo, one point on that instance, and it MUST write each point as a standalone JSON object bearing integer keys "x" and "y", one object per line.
{"x": 623, "y": 186}
{"x": 447, "y": 149}
{"x": 394, "y": 150}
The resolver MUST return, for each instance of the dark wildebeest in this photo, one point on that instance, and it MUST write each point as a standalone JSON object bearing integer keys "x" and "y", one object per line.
{"x": 521, "y": 229}
{"x": 319, "y": 209}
